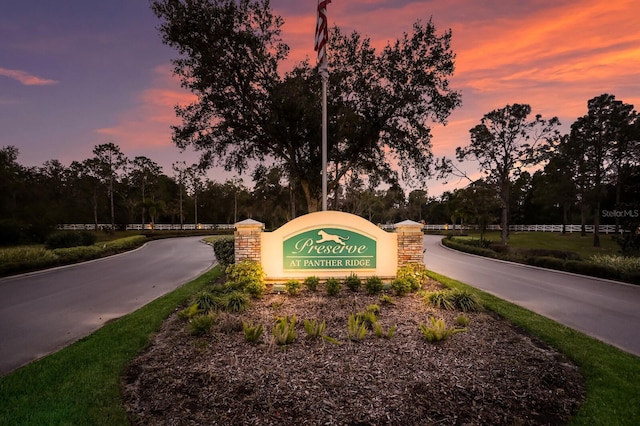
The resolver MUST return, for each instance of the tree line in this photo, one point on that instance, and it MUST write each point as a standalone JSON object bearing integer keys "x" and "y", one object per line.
{"x": 251, "y": 118}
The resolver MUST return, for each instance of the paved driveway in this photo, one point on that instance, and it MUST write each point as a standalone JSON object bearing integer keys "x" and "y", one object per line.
{"x": 607, "y": 310}
{"x": 45, "y": 311}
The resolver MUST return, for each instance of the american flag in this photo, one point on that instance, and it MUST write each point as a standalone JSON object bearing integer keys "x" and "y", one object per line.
{"x": 322, "y": 34}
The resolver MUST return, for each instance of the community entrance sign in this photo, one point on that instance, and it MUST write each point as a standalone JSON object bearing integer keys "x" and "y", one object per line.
{"x": 329, "y": 244}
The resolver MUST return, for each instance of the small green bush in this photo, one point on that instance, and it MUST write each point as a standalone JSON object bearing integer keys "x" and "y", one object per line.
{"x": 455, "y": 244}
{"x": 200, "y": 324}
{"x": 284, "y": 331}
{"x": 224, "y": 249}
{"x": 387, "y": 300}
{"x": 377, "y": 330}
{"x": 311, "y": 283}
{"x": 293, "y": 287}
{"x": 333, "y": 287}
{"x": 415, "y": 274}
{"x": 441, "y": 299}
{"x": 66, "y": 239}
{"x": 367, "y": 318}
{"x": 189, "y": 312}
{"x": 246, "y": 269}
{"x": 462, "y": 321}
{"x": 252, "y": 333}
{"x": 375, "y": 308}
{"x": 622, "y": 264}
{"x": 207, "y": 302}
{"x": 591, "y": 269}
{"x": 352, "y": 282}
{"x": 401, "y": 286}
{"x": 356, "y": 328}
{"x": 236, "y": 302}
{"x": 438, "y": 330}
{"x": 314, "y": 328}
{"x": 249, "y": 275}
{"x": 464, "y": 300}
{"x": 373, "y": 285}
{"x": 546, "y": 262}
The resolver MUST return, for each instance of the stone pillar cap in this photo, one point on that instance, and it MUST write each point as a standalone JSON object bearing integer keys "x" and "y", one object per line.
{"x": 408, "y": 223}
{"x": 249, "y": 223}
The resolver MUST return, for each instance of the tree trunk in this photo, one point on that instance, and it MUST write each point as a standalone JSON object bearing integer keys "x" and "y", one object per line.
{"x": 504, "y": 214}
{"x": 596, "y": 226}
{"x": 95, "y": 209}
{"x": 565, "y": 213}
{"x": 312, "y": 203}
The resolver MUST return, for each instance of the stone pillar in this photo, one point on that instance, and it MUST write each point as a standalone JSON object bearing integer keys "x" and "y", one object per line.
{"x": 247, "y": 240}
{"x": 410, "y": 242}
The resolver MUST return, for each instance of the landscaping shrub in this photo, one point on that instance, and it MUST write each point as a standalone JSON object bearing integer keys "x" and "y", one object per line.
{"x": 200, "y": 325}
{"x": 558, "y": 254}
{"x": 352, "y": 282}
{"x": 312, "y": 283}
{"x": 546, "y": 262}
{"x": 249, "y": 276}
{"x": 333, "y": 287}
{"x": 293, "y": 287}
{"x": 592, "y": 269}
{"x": 284, "y": 331}
{"x": 455, "y": 244}
{"x": 438, "y": 330}
{"x": 373, "y": 285}
{"x": 415, "y": 273}
{"x": 224, "y": 249}
{"x": 401, "y": 286}
{"x": 66, "y": 239}
{"x": 464, "y": 300}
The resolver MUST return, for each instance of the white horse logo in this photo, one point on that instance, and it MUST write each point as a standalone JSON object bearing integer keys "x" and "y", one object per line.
{"x": 330, "y": 237}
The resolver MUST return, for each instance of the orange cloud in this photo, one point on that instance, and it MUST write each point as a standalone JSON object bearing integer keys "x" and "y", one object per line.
{"x": 26, "y": 78}
{"x": 147, "y": 124}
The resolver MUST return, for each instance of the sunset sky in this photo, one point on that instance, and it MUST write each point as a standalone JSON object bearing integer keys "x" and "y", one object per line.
{"x": 78, "y": 73}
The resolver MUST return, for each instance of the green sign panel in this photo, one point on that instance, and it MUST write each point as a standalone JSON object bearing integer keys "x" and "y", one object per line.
{"x": 329, "y": 248}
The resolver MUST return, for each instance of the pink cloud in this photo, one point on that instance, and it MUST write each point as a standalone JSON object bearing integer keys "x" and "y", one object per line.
{"x": 147, "y": 123}
{"x": 26, "y": 78}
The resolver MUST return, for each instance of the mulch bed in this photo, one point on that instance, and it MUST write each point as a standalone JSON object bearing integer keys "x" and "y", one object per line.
{"x": 492, "y": 374}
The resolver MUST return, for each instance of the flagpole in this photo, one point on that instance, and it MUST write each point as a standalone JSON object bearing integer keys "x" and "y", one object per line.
{"x": 322, "y": 34}
{"x": 325, "y": 78}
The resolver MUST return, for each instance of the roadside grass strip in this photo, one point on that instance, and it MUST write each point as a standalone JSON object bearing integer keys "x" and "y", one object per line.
{"x": 79, "y": 385}
{"x": 612, "y": 376}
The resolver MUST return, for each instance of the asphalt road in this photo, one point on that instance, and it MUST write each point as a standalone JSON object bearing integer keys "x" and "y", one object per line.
{"x": 604, "y": 309}
{"x": 45, "y": 311}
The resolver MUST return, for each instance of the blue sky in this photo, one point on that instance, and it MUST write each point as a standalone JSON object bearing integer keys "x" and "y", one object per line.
{"x": 78, "y": 73}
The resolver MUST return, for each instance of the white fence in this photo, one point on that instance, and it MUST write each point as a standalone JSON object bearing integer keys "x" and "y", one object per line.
{"x": 604, "y": 229}
{"x": 147, "y": 227}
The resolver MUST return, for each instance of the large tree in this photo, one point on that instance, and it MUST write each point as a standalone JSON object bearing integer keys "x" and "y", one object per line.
{"x": 381, "y": 103}
{"x": 110, "y": 162}
{"x": 603, "y": 144}
{"x": 504, "y": 143}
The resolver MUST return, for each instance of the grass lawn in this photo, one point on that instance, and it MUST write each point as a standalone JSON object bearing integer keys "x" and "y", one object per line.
{"x": 556, "y": 241}
{"x": 79, "y": 385}
{"x": 612, "y": 375}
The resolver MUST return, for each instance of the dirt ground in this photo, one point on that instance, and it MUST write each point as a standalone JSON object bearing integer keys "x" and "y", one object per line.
{"x": 491, "y": 374}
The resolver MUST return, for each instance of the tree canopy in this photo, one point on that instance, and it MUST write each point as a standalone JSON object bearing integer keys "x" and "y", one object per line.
{"x": 380, "y": 105}
{"x": 504, "y": 143}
